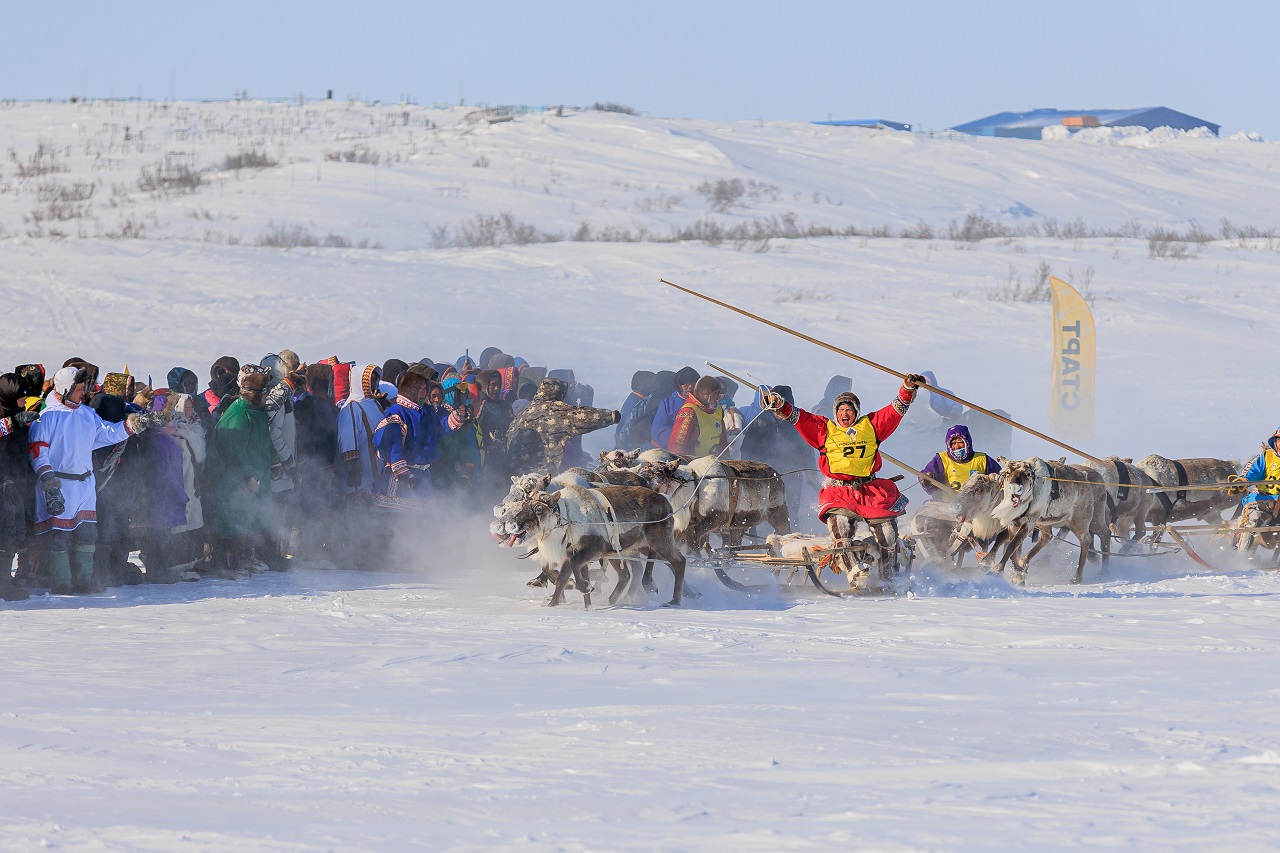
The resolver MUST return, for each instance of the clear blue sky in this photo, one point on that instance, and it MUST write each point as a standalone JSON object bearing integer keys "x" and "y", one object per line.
{"x": 933, "y": 64}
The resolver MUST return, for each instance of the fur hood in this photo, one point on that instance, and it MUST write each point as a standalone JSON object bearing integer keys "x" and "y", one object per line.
{"x": 959, "y": 431}
{"x": 367, "y": 387}
{"x": 550, "y": 390}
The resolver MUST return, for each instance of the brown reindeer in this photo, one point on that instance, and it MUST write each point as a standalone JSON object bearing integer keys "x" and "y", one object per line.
{"x": 707, "y": 496}
{"x": 1130, "y": 503}
{"x": 1176, "y": 504}
{"x": 575, "y": 526}
{"x": 1044, "y": 495}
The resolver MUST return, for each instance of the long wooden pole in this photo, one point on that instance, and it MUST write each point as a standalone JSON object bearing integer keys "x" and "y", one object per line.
{"x": 881, "y": 367}
{"x": 904, "y": 466}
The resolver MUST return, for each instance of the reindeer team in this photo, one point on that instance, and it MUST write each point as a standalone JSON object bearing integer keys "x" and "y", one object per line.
{"x": 657, "y": 506}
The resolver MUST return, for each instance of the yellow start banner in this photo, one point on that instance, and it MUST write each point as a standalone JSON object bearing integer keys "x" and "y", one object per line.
{"x": 1071, "y": 403}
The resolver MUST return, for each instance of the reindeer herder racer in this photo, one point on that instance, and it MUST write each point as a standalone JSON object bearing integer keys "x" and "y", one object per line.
{"x": 849, "y": 457}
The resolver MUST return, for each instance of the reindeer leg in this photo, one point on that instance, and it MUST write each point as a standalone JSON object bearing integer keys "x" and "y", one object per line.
{"x": 780, "y": 518}
{"x": 1016, "y": 537}
{"x": 1085, "y": 537}
{"x": 547, "y": 576}
{"x": 562, "y": 579}
{"x": 583, "y": 580}
{"x": 647, "y": 580}
{"x": 624, "y": 580}
{"x": 676, "y": 560}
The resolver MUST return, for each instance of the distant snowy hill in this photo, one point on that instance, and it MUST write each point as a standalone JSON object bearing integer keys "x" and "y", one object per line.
{"x": 134, "y": 231}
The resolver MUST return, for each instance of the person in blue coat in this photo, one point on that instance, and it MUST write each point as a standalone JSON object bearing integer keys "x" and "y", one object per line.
{"x": 1262, "y": 506}
{"x": 408, "y": 438}
{"x": 641, "y": 387}
{"x": 666, "y": 417}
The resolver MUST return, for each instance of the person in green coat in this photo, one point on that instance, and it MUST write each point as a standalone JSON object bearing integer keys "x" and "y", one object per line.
{"x": 239, "y": 477}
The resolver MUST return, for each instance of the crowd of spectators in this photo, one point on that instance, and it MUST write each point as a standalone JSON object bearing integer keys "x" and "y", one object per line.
{"x": 106, "y": 481}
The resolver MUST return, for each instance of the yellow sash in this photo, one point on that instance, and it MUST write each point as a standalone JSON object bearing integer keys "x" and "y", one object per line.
{"x": 710, "y": 428}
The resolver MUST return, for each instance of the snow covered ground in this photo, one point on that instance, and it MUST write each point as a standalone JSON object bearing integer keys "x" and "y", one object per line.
{"x": 441, "y": 705}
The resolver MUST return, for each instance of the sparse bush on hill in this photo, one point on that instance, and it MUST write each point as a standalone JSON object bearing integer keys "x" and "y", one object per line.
{"x": 281, "y": 236}
{"x": 43, "y": 162}
{"x": 358, "y": 154}
{"x": 1013, "y": 291}
{"x": 482, "y": 230}
{"x": 730, "y": 192}
{"x": 166, "y": 179}
{"x": 248, "y": 159}
{"x": 59, "y": 203}
{"x": 131, "y": 228}
{"x": 611, "y": 107}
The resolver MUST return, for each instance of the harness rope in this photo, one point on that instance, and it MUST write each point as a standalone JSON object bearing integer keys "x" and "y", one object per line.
{"x": 1239, "y": 484}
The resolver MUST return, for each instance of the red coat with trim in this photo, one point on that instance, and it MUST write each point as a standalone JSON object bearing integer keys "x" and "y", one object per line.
{"x": 874, "y": 499}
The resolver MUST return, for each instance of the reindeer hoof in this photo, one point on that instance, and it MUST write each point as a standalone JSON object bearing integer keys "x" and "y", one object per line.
{"x": 538, "y": 581}
{"x": 672, "y": 603}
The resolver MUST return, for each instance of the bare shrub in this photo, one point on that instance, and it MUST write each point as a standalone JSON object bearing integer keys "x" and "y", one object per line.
{"x": 500, "y": 230}
{"x": 1085, "y": 283}
{"x": 482, "y": 162}
{"x": 1130, "y": 230}
{"x": 1167, "y": 243}
{"x": 662, "y": 202}
{"x": 247, "y": 159}
{"x": 920, "y": 231}
{"x": 59, "y": 203}
{"x": 287, "y": 237}
{"x": 611, "y": 107}
{"x": 358, "y": 154}
{"x": 1197, "y": 234}
{"x": 977, "y": 227}
{"x": 1013, "y": 291}
{"x": 757, "y": 190}
{"x": 170, "y": 179}
{"x": 43, "y": 162}
{"x": 130, "y": 228}
{"x": 723, "y": 194}
{"x": 281, "y": 236}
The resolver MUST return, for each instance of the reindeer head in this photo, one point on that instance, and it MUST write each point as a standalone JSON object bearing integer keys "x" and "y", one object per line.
{"x": 661, "y": 475}
{"x": 522, "y": 488}
{"x": 519, "y": 522}
{"x": 618, "y": 458}
{"x": 1019, "y": 479}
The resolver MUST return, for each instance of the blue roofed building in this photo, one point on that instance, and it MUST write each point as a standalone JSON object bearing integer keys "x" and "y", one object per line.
{"x": 1030, "y": 125}
{"x": 875, "y": 123}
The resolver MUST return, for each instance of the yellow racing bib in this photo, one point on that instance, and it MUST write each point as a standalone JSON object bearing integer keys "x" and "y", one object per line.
{"x": 852, "y": 453}
{"x": 958, "y": 473}
{"x": 1272, "y": 472}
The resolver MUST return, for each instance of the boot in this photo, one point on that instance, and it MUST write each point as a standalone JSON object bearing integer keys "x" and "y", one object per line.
{"x": 9, "y": 590}
{"x": 81, "y": 559}
{"x": 59, "y": 565}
